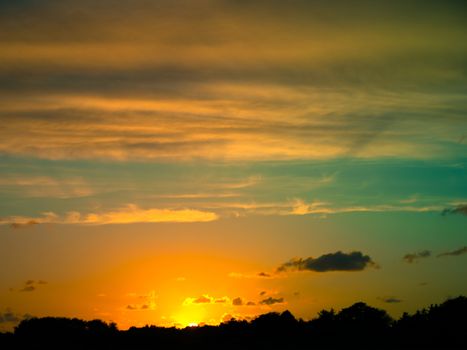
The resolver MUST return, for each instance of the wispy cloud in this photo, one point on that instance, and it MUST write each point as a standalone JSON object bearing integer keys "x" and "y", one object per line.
{"x": 414, "y": 257}
{"x": 126, "y": 215}
{"x": 258, "y": 275}
{"x": 45, "y": 186}
{"x": 456, "y": 252}
{"x": 23, "y": 221}
{"x": 30, "y": 285}
{"x": 207, "y": 299}
{"x": 148, "y": 301}
{"x": 204, "y": 212}
{"x": 133, "y": 214}
{"x": 459, "y": 209}
{"x": 298, "y": 88}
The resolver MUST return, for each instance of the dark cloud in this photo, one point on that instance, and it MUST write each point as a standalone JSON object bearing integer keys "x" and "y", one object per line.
{"x": 31, "y": 285}
{"x": 460, "y": 209}
{"x": 8, "y": 316}
{"x": 456, "y": 252}
{"x": 237, "y": 301}
{"x": 262, "y": 293}
{"x": 271, "y": 301}
{"x": 28, "y": 289}
{"x": 391, "y": 300}
{"x": 251, "y": 303}
{"x": 133, "y": 307}
{"x": 264, "y": 274}
{"x": 413, "y": 257}
{"x": 338, "y": 261}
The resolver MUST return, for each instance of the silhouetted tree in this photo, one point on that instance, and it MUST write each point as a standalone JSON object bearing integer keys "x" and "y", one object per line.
{"x": 357, "y": 327}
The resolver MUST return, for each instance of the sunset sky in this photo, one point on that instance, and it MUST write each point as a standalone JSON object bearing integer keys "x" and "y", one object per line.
{"x": 177, "y": 162}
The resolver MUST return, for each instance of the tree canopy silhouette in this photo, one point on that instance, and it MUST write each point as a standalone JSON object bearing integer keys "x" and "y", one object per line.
{"x": 356, "y": 327}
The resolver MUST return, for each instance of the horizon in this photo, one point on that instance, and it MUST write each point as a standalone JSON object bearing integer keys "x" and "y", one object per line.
{"x": 179, "y": 162}
{"x": 281, "y": 313}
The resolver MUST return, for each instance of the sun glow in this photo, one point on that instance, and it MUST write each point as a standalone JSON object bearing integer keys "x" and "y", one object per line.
{"x": 191, "y": 317}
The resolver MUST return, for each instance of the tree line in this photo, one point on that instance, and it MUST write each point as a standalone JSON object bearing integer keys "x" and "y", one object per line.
{"x": 359, "y": 326}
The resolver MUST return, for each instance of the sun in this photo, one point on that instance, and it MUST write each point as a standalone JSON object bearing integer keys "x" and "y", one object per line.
{"x": 189, "y": 317}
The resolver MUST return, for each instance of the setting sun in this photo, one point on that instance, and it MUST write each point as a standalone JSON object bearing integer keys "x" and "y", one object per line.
{"x": 189, "y": 318}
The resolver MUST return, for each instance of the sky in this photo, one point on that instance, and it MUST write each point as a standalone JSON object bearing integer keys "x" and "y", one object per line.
{"x": 188, "y": 162}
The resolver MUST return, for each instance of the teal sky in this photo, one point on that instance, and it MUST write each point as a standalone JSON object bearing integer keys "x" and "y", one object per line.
{"x": 159, "y": 159}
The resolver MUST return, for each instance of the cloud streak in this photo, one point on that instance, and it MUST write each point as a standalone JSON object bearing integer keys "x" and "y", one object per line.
{"x": 129, "y": 214}
{"x": 456, "y": 252}
{"x": 111, "y": 89}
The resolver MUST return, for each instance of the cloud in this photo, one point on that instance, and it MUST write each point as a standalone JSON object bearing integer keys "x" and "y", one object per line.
{"x": 134, "y": 307}
{"x": 460, "y": 209}
{"x": 391, "y": 300}
{"x": 45, "y": 186}
{"x": 31, "y": 285}
{"x": 149, "y": 301}
{"x": 237, "y": 301}
{"x": 25, "y": 224}
{"x": 264, "y": 274}
{"x": 221, "y": 300}
{"x": 9, "y": 317}
{"x": 271, "y": 301}
{"x": 99, "y": 91}
{"x": 207, "y": 299}
{"x": 250, "y": 303}
{"x": 28, "y": 289}
{"x": 299, "y": 206}
{"x": 258, "y": 275}
{"x": 413, "y": 257}
{"x": 203, "y": 299}
{"x": 456, "y": 252}
{"x": 126, "y": 215}
{"x": 338, "y": 261}
{"x": 16, "y": 222}
{"x": 133, "y": 214}
{"x": 262, "y": 293}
